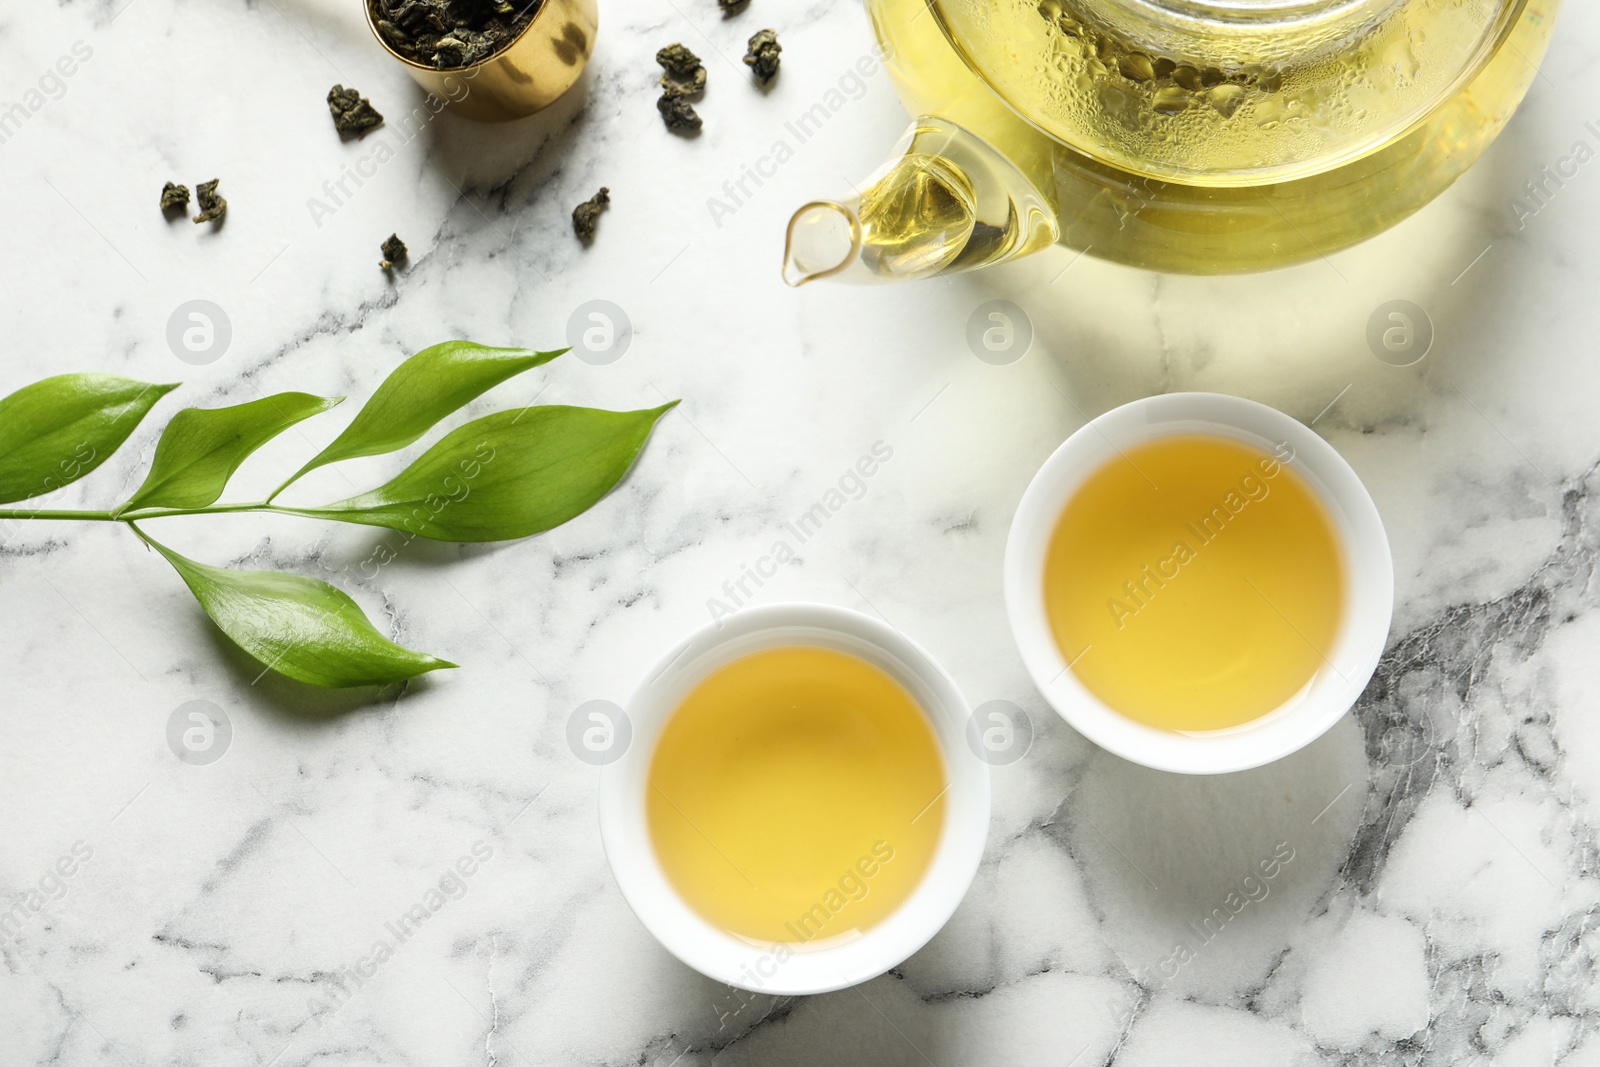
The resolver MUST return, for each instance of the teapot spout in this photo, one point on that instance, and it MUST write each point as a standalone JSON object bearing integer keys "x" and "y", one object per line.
{"x": 947, "y": 202}
{"x": 824, "y": 239}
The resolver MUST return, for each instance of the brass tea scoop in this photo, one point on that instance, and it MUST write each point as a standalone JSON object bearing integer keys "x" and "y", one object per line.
{"x": 541, "y": 62}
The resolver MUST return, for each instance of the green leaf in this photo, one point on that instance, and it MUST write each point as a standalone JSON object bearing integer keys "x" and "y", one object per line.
{"x": 202, "y": 447}
{"x": 421, "y": 391}
{"x": 511, "y": 474}
{"x": 55, "y": 431}
{"x": 298, "y": 626}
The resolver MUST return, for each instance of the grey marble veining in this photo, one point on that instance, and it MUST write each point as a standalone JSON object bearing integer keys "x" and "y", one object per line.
{"x": 1434, "y": 887}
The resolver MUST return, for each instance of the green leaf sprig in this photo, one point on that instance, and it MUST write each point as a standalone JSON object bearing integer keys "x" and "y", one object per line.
{"x": 504, "y": 476}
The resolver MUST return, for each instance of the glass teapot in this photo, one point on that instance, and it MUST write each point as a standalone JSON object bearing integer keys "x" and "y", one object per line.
{"x": 1193, "y": 136}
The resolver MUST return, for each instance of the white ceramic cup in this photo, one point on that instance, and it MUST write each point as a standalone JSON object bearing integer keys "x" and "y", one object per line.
{"x": 824, "y": 965}
{"x": 1369, "y": 593}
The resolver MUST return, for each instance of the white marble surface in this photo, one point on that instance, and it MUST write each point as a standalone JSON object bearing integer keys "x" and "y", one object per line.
{"x": 1441, "y": 904}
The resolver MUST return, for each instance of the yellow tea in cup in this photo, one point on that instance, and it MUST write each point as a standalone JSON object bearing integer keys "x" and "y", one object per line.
{"x": 796, "y": 794}
{"x": 1195, "y": 582}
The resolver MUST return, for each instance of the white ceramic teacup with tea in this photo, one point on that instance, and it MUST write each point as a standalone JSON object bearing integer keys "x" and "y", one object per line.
{"x": 823, "y": 947}
{"x": 1354, "y": 639}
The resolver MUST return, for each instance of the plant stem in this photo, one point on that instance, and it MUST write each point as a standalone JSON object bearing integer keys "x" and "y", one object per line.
{"x": 274, "y": 494}
{"x": 295, "y": 477}
{"x": 50, "y": 513}
{"x": 144, "y": 513}
{"x": 212, "y": 509}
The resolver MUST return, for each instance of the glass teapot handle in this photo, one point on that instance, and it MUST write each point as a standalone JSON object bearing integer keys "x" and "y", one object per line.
{"x": 946, "y": 202}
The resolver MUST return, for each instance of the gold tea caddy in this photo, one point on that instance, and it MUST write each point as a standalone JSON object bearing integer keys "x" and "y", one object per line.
{"x": 531, "y": 73}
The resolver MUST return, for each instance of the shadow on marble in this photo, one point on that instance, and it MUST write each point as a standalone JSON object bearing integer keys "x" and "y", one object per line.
{"x": 493, "y": 158}
{"x": 1227, "y": 865}
{"x": 418, "y": 554}
{"x": 1143, "y": 893}
{"x": 1115, "y": 333}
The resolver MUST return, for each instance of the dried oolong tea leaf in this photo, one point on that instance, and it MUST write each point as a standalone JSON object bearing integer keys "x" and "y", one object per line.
{"x": 212, "y": 206}
{"x": 464, "y": 48}
{"x": 694, "y": 86}
{"x": 685, "y": 77}
{"x": 352, "y": 112}
{"x": 394, "y": 253}
{"x": 678, "y": 113}
{"x": 678, "y": 61}
{"x": 762, "y": 55}
{"x": 732, "y": 7}
{"x": 587, "y": 213}
{"x": 174, "y": 199}
{"x": 450, "y": 34}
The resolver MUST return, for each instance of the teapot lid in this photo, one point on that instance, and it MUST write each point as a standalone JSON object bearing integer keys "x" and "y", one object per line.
{"x": 1224, "y": 92}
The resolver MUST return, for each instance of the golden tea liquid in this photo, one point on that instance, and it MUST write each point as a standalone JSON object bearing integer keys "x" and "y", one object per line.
{"x": 1195, "y": 583}
{"x": 1267, "y": 146}
{"x": 796, "y": 794}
